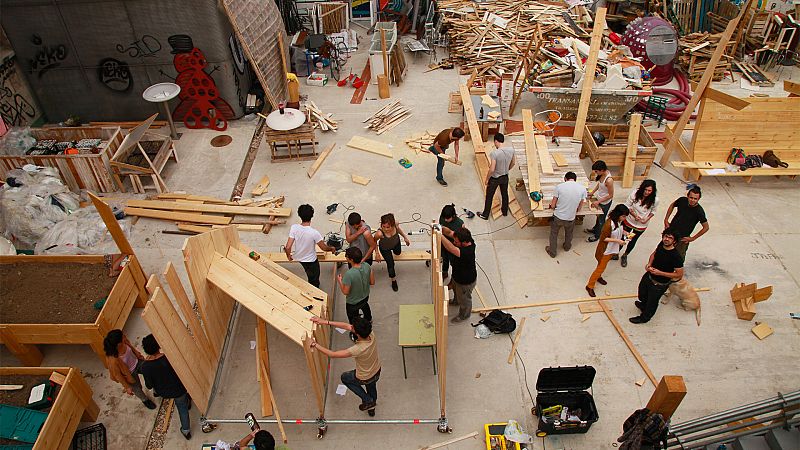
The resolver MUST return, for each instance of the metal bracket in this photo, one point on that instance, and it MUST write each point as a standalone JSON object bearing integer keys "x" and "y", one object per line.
{"x": 322, "y": 427}
{"x": 443, "y": 426}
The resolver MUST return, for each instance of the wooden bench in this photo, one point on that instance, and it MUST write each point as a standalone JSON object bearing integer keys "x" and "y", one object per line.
{"x": 711, "y": 169}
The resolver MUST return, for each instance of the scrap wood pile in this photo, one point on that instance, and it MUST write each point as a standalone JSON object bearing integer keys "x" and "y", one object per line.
{"x": 321, "y": 120}
{"x": 420, "y": 141}
{"x": 197, "y": 214}
{"x": 491, "y": 37}
{"x": 695, "y": 53}
{"x": 388, "y": 117}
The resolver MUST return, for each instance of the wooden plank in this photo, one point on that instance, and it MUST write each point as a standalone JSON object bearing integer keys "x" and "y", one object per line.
{"x": 591, "y": 307}
{"x": 630, "y": 150}
{"x": 534, "y": 183}
{"x": 566, "y": 302}
{"x": 194, "y": 228}
{"x": 628, "y": 342}
{"x": 262, "y": 353}
{"x": 472, "y": 121}
{"x": 214, "y": 209}
{"x": 560, "y": 160}
{"x": 668, "y": 395}
{"x": 360, "y": 180}
{"x": 323, "y": 257}
{"x": 721, "y": 97}
{"x": 275, "y": 268}
{"x": 320, "y": 159}
{"x": 52, "y": 259}
{"x": 544, "y": 154}
{"x": 262, "y": 185}
{"x": 450, "y": 159}
{"x": 369, "y": 145}
{"x": 449, "y": 441}
{"x": 516, "y": 340}
{"x": 589, "y": 72}
{"x": 792, "y": 87}
{"x": 112, "y": 225}
{"x": 316, "y": 383}
{"x": 177, "y": 216}
{"x": 708, "y": 74}
{"x": 185, "y": 305}
{"x": 762, "y": 330}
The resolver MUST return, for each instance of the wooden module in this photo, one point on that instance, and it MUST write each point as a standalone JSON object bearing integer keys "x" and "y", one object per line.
{"x": 72, "y": 405}
{"x": 614, "y": 150}
{"x": 90, "y": 171}
{"x": 289, "y": 145}
{"x": 745, "y": 296}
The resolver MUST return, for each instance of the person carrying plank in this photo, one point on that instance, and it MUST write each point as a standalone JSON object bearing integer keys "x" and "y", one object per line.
{"x": 440, "y": 144}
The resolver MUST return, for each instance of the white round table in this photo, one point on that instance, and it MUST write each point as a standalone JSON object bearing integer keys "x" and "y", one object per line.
{"x": 289, "y": 120}
{"x": 163, "y": 93}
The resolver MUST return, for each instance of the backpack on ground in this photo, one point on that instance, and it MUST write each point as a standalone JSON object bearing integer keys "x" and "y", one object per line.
{"x": 644, "y": 428}
{"x": 498, "y": 322}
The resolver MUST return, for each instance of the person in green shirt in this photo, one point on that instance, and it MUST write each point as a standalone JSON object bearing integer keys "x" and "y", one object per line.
{"x": 355, "y": 285}
{"x": 450, "y": 223}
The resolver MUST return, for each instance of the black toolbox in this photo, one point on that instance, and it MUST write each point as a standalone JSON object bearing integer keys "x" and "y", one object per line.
{"x": 565, "y": 387}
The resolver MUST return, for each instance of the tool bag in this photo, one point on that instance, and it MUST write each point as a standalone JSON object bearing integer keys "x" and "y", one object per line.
{"x": 644, "y": 427}
{"x": 498, "y": 322}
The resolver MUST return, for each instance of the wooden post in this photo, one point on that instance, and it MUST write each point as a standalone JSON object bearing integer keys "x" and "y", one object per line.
{"x": 314, "y": 375}
{"x": 27, "y": 354}
{"x": 182, "y": 299}
{"x": 523, "y": 71}
{"x": 111, "y": 223}
{"x": 708, "y": 75}
{"x": 531, "y": 156}
{"x": 668, "y": 395}
{"x": 631, "y": 150}
{"x": 588, "y": 74}
{"x": 268, "y": 385}
{"x": 516, "y": 340}
{"x": 383, "y": 80}
{"x": 262, "y": 349}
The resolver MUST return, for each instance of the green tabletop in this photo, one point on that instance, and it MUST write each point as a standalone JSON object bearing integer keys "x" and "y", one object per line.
{"x": 417, "y": 326}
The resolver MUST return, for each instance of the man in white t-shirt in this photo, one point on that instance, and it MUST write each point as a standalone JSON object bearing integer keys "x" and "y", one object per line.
{"x": 567, "y": 200}
{"x": 303, "y": 239}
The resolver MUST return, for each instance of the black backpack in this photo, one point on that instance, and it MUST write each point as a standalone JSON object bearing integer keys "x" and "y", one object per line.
{"x": 644, "y": 428}
{"x": 498, "y": 322}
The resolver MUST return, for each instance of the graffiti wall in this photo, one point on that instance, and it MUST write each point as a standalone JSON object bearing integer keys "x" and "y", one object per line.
{"x": 18, "y": 107}
{"x": 99, "y": 72}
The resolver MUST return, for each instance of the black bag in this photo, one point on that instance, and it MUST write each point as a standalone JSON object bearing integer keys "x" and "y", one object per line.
{"x": 644, "y": 428}
{"x": 498, "y": 322}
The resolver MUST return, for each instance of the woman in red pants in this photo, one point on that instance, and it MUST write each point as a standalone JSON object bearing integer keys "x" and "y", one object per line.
{"x": 611, "y": 240}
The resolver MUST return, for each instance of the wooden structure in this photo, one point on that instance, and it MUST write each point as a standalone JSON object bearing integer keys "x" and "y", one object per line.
{"x": 221, "y": 273}
{"x": 613, "y": 151}
{"x": 128, "y": 291}
{"x": 482, "y": 160}
{"x": 73, "y": 404}
{"x": 668, "y": 396}
{"x": 753, "y": 124}
{"x": 288, "y": 145}
{"x": 142, "y": 155}
{"x": 89, "y": 170}
{"x": 745, "y": 296}
{"x": 588, "y": 73}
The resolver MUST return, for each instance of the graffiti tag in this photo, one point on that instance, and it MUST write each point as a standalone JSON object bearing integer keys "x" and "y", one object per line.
{"x": 145, "y": 47}
{"x": 14, "y": 108}
{"x": 115, "y": 75}
{"x": 47, "y": 57}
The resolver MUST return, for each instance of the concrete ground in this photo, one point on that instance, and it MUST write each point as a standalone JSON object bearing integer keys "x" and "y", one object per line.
{"x": 753, "y": 238}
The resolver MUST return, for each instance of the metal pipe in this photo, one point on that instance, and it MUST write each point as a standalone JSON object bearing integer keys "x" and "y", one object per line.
{"x": 728, "y": 429}
{"x": 332, "y": 421}
{"x": 724, "y": 420}
{"x": 726, "y": 439}
{"x": 781, "y": 401}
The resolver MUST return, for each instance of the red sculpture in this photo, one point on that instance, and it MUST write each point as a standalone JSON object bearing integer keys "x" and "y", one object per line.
{"x": 201, "y": 105}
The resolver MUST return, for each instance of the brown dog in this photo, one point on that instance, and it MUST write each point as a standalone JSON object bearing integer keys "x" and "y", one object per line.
{"x": 690, "y": 301}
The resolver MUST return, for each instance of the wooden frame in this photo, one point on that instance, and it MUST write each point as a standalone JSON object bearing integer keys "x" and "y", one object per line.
{"x": 72, "y": 405}
{"x": 128, "y": 291}
{"x": 613, "y": 151}
{"x": 132, "y": 142}
{"x": 91, "y": 172}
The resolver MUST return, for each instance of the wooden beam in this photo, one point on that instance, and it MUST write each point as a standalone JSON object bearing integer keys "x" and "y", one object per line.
{"x": 793, "y": 88}
{"x": 588, "y": 74}
{"x": 450, "y": 159}
{"x": 112, "y": 225}
{"x": 516, "y": 340}
{"x": 721, "y": 97}
{"x": 268, "y": 385}
{"x": 449, "y": 441}
{"x": 631, "y": 150}
{"x": 262, "y": 351}
{"x": 668, "y": 395}
{"x": 185, "y": 305}
{"x": 320, "y": 159}
{"x": 472, "y": 121}
{"x": 628, "y": 342}
{"x": 359, "y": 179}
{"x": 213, "y": 209}
{"x": 369, "y": 145}
{"x": 566, "y": 302}
{"x": 177, "y": 216}
{"x": 534, "y": 184}
{"x": 544, "y": 154}
{"x": 312, "y": 372}
{"x": 708, "y": 74}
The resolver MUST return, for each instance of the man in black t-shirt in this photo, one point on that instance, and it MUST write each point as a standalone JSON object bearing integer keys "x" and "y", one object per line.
{"x": 689, "y": 214}
{"x": 161, "y": 377}
{"x": 664, "y": 266}
{"x": 465, "y": 274}
{"x": 450, "y": 222}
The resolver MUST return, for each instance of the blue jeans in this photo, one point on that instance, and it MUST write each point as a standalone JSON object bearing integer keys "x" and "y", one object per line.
{"x": 439, "y": 163}
{"x": 368, "y": 395}
{"x": 183, "y": 403}
{"x": 601, "y": 220}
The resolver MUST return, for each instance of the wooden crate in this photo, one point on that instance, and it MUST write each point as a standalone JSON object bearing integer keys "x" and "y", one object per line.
{"x": 91, "y": 172}
{"x": 613, "y": 151}
{"x": 72, "y": 405}
{"x": 128, "y": 291}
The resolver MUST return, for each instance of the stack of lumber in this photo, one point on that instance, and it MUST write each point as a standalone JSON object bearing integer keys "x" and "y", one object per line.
{"x": 420, "y": 141}
{"x": 321, "y": 120}
{"x": 388, "y": 117}
{"x": 492, "y": 36}
{"x": 198, "y": 214}
{"x": 695, "y": 52}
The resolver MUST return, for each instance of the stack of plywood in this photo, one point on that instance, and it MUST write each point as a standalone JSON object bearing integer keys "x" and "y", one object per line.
{"x": 198, "y": 214}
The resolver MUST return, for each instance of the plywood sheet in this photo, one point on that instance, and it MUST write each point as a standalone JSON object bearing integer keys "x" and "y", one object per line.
{"x": 369, "y": 145}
